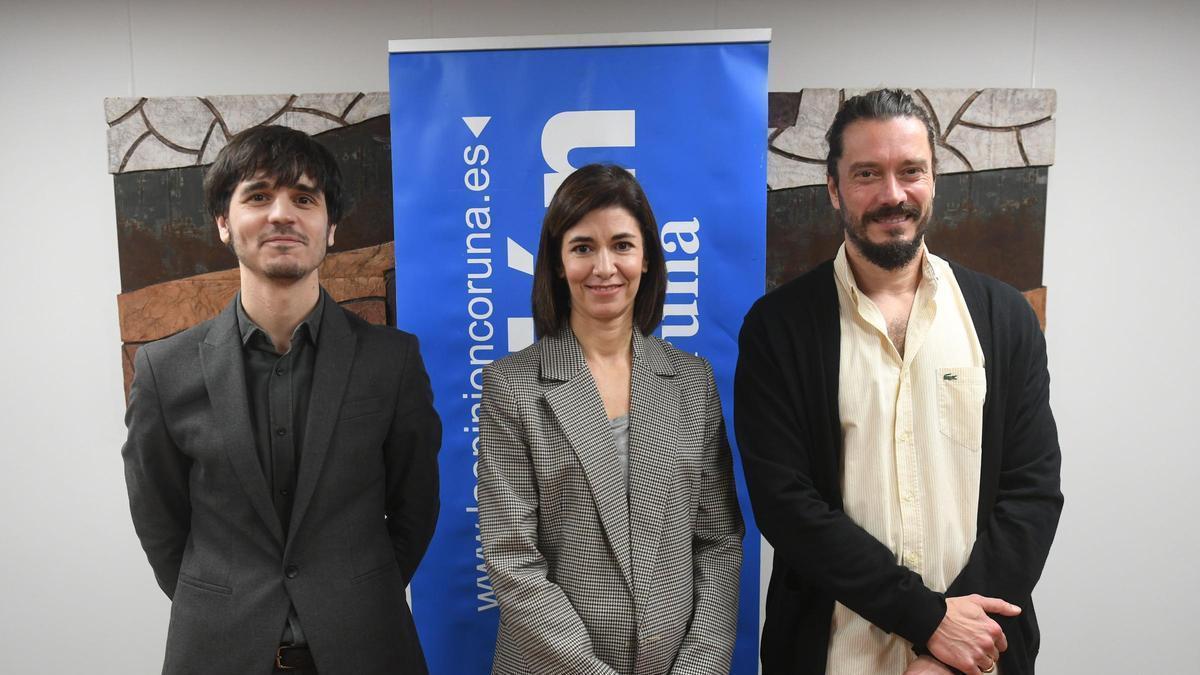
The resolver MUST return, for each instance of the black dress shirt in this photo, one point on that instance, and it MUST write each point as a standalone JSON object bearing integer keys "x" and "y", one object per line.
{"x": 278, "y": 387}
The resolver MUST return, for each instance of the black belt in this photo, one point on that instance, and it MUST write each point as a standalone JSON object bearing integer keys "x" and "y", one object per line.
{"x": 294, "y": 657}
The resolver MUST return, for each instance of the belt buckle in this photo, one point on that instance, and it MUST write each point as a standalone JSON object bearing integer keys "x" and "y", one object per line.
{"x": 279, "y": 658}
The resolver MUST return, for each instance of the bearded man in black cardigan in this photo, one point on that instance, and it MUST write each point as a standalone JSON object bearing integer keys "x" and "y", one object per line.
{"x": 892, "y": 410}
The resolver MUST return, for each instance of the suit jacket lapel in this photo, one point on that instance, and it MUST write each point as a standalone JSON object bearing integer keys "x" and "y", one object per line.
{"x": 331, "y": 373}
{"x": 577, "y": 406}
{"x": 653, "y": 435}
{"x": 225, "y": 379}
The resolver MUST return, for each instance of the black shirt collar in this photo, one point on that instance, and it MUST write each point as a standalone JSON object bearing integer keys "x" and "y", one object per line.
{"x": 310, "y": 326}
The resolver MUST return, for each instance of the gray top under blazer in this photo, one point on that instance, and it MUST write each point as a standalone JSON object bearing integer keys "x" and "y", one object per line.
{"x": 590, "y": 580}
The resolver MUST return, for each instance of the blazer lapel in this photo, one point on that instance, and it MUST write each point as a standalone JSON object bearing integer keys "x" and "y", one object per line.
{"x": 225, "y": 379}
{"x": 577, "y": 406}
{"x": 653, "y": 435}
{"x": 331, "y": 373}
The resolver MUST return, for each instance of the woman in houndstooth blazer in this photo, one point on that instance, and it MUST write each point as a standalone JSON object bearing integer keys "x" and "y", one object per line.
{"x": 606, "y": 501}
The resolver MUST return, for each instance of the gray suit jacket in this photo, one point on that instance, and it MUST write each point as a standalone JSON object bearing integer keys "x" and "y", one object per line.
{"x": 365, "y": 505}
{"x": 588, "y": 579}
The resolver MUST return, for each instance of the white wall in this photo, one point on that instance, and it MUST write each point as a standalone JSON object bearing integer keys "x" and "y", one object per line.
{"x": 74, "y": 586}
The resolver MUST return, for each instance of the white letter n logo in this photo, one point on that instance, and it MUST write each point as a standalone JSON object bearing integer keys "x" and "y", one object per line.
{"x": 581, "y": 129}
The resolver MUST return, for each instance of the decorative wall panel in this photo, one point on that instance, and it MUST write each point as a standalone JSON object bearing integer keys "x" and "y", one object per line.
{"x": 994, "y": 147}
{"x": 175, "y": 272}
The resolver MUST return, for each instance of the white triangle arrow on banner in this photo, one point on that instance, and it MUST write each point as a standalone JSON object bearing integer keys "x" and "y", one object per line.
{"x": 476, "y": 124}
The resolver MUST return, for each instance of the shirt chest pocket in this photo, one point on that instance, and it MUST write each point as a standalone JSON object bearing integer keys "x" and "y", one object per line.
{"x": 960, "y": 395}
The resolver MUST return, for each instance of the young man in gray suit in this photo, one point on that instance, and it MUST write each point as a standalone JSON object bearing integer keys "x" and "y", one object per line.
{"x": 282, "y": 457}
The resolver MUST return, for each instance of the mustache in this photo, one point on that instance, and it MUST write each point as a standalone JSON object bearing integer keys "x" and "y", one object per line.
{"x": 284, "y": 232}
{"x": 901, "y": 209}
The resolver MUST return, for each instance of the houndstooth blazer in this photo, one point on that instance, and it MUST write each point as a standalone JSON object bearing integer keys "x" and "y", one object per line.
{"x": 590, "y": 580}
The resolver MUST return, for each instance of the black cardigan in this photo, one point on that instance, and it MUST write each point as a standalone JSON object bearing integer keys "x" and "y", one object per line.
{"x": 789, "y": 433}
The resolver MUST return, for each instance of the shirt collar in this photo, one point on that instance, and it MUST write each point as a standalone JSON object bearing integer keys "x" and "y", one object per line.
{"x": 311, "y": 325}
{"x": 841, "y": 272}
{"x": 930, "y": 271}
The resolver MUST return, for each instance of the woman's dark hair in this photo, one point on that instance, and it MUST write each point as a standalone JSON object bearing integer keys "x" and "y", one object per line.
{"x": 284, "y": 155}
{"x": 881, "y": 104}
{"x": 592, "y": 187}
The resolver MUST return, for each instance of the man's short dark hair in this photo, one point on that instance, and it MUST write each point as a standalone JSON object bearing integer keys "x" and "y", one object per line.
{"x": 592, "y": 187}
{"x": 881, "y": 104}
{"x": 280, "y": 153}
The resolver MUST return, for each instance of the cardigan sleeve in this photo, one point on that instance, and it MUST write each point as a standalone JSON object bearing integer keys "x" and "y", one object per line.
{"x": 787, "y": 447}
{"x": 1013, "y": 542}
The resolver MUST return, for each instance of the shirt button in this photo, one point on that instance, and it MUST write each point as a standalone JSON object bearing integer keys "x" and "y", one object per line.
{"x": 291, "y": 571}
{"x": 285, "y": 492}
{"x": 910, "y": 560}
{"x": 280, "y": 431}
{"x": 908, "y": 497}
{"x": 279, "y": 371}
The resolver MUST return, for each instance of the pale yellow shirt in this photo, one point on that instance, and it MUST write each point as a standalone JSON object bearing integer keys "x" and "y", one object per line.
{"x": 912, "y": 430}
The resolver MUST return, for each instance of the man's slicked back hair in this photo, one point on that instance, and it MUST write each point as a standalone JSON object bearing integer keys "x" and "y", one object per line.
{"x": 280, "y": 154}
{"x": 880, "y": 104}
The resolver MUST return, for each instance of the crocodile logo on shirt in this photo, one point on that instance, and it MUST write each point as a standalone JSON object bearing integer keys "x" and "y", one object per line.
{"x": 949, "y": 376}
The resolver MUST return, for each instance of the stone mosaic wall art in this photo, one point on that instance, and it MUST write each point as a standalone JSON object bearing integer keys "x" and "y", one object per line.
{"x": 994, "y": 147}
{"x": 175, "y": 272}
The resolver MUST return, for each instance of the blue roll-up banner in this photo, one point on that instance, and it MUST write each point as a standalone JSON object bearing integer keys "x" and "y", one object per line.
{"x": 483, "y": 132}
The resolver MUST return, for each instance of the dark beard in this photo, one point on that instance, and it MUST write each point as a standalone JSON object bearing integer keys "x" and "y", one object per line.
{"x": 895, "y": 253}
